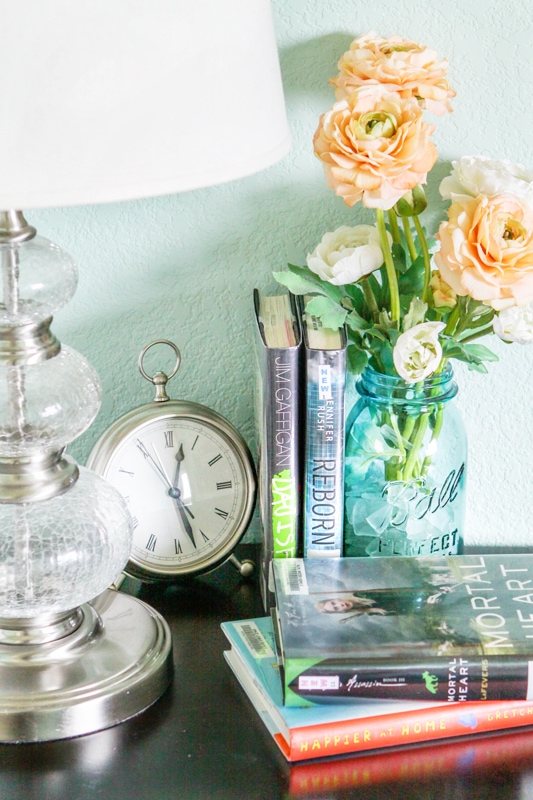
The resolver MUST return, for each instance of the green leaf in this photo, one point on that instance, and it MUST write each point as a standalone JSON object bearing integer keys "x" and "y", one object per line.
{"x": 357, "y": 359}
{"x": 295, "y": 283}
{"x": 416, "y": 313}
{"x": 474, "y": 366}
{"x": 472, "y": 354}
{"x": 375, "y": 333}
{"x": 356, "y": 322}
{"x": 353, "y": 291}
{"x": 481, "y": 352}
{"x": 393, "y": 336}
{"x": 385, "y": 322}
{"x": 330, "y": 313}
{"x": 377, "y": 289}
{"x": 386, "y": 356}
{"x": 412, "y": 281}
{"x": 335, "y": 292}
{"x": 399, "y": 257}
{"x": 308, "y": 283}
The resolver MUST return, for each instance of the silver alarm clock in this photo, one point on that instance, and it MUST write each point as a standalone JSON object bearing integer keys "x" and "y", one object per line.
{"x": 187, "y": 477}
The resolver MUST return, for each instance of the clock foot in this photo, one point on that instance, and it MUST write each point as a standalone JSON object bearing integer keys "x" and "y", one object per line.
{"x": 115, "y": 665}
{"x": 245, "y": 567}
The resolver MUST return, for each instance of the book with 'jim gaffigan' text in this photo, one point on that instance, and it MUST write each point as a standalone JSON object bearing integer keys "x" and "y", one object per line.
{"x": 278, "y": 411}
{"x": 452, "y": 628}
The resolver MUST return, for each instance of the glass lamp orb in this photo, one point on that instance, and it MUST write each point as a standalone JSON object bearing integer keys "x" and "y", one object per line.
{"x": 43, "y": 407}
{"x": 46, "y": 279}
{"x": 57, "y": 554}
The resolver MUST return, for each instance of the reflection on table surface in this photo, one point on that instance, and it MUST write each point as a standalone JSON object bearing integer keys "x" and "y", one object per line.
{"x": 496, "y": 760}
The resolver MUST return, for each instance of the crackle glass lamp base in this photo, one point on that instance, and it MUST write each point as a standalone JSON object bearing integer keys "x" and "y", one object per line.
{"x": 112, "y": 666}
{"x": 69, "y": 664}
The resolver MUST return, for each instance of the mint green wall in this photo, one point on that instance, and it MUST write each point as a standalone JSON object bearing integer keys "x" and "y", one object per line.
{"x": 183, "y": 267}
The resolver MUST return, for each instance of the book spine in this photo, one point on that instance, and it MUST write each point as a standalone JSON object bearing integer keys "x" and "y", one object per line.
{"x": 278, "y": 422}
{"x": 408, "y": 727}
{"x": 450, "y": 679}
{"x": 477, "y": 755}
{"x": 324, "y": 453}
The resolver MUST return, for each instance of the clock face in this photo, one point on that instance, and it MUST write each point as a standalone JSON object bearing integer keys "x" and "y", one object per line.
{"x": 189, "y": 489}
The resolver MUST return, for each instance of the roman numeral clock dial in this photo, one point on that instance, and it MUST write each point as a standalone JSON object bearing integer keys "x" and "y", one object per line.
{"x": 188, "y": 480}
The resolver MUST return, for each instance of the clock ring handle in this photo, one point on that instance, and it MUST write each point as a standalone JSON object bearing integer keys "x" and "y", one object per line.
{"x": 159, "y": 379}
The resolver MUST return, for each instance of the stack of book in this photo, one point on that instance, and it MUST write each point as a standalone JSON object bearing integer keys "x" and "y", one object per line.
{"x": 300, "y": 422}
{"x": 362, "y": 653}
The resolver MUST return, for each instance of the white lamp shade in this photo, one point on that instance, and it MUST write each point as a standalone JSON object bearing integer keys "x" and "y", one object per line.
{"x": 106, "y": 100}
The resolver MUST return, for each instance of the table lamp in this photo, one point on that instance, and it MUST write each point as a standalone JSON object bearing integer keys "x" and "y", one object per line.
{"x": 101, "y": 101}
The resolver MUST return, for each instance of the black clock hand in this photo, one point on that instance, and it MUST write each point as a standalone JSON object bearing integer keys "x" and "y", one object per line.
{"x": 179, "y": 458}
{"x": 184, "y": 518}
{"x": 175, "y": 493}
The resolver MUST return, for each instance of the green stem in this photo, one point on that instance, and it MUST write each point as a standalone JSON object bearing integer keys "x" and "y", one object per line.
{"x": 422, "y": 424}
{"x": 394, "y": 229}
{"x": 409, "y": 237}
{"x": 409, "y": 427}
{"x": 452, "y": 320}
{"x": 427, "y": 259}
{"x": 439, "y": 420}
{"x": 389, "y": 266}
{"x": 399, "y": 437}
{"x": 370, "y": 298}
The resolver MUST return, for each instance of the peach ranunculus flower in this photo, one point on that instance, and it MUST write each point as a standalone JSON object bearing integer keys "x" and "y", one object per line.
{"x": 375, "y": 146}
{"x": 399, "y": 64}
{"x": 487, "y": 250}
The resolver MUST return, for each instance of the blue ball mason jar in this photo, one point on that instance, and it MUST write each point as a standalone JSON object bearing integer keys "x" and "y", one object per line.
{"x": 405, "y": 469}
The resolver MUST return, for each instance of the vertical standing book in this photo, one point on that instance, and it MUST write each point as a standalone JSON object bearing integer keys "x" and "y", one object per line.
{"x": 278, "y": 403}
{"x": 325, "y": 375}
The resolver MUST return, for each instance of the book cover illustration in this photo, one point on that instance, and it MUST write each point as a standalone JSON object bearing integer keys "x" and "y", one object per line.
{"x": 278, "y": 404}
{"x": 366, "y": 724}
{"x": 325, "y": 371}
{"x": 452, "y": 628}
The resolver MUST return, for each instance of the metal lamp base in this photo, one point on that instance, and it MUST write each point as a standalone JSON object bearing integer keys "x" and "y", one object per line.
{"x": 112, "y": 667}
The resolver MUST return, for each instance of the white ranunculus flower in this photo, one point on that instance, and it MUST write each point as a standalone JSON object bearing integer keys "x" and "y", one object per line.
{"x": 515, "y": 324}
{"x": 418, "y": 352}
{"x": 475, "y": 175}
{"x": 347, "y": 254}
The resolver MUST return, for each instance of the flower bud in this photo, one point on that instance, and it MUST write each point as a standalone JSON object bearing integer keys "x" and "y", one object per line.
{"x": 412, "y": 203}
{"x": 443, "y": 294}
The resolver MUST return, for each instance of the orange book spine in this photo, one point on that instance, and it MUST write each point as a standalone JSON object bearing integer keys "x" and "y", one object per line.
{"x": 410, "y": 727}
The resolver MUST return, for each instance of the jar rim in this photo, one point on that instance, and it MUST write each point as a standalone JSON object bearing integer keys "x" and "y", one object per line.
{"x": 437, "y": 388}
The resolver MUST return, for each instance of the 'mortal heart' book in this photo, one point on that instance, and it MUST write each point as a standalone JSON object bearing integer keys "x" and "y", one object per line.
{"x": 450, "y": 629}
